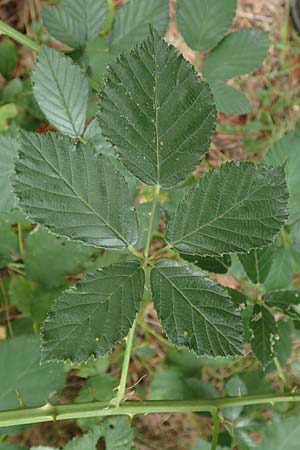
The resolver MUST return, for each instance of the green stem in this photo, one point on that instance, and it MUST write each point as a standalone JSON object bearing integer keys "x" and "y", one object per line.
{"x": 125, "y": 366}
{"x": 6, "y": 303}
{"x": 20, "y": 239}
{"x": 280, "y": 373}
{"x": 216, "y": 426}
{"x": 151, "y": 220}
{"x": 19, "y": 37}
{"x": 49, "y": 413}
{"x": 109, "y": 18}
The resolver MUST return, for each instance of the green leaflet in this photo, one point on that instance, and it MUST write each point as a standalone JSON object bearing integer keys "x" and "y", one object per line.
{"x": 265, "y": 332}
{"x": 8, "y": 151}
{"x": 21, "y": 372}
{"x": 281, "y": 434}
{"x": 69, "y": 189}
{"x": 257, "y": 264}
{"x": 92, "y": 317}
{"x": 76, "y": 21}
{"x": 281, "y": 273}
{"x": 204, "y": 23}
{"x": 157, "y": 112}
{"x": 238, "y": 53}
{"x": 287, "y": 301}
{"x": 286, "y": 151}
{"x": 228, "y": 99}
{"x": 195, "y": 311}
{"x": 233, "y": 209}
{"x": 61, "y": 91}
{"x": 132, "y": 21}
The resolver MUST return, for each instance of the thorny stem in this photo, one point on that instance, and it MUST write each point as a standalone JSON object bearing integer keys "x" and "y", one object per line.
{"x": 19, "y": 37}
{"x": 50, "y": 413}
{"x": 125, "y": 366}
{"x": 20, "y": 240}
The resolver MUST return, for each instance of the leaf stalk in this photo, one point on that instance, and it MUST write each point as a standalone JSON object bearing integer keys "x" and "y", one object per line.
{"x": 18, "y": 37}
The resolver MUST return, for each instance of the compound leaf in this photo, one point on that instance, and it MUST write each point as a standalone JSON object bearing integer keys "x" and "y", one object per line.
{"x": 76, "y": 21}
{"x": 157, "y": 112}
{"x": 92, "y": 317}
{"x": 258, "y": 263}
{"x": 238, "y": 53}
{"x": 73, "y": 192}
{"x": 8, "y": 151}
{"x": 195, "y": 311}
{"x": 264, "y": 330}
{"x": 61, "y": 91}
{"x": 204, "y": 23}
{"x": 233, "y": 209}
{"x": 21, "y": 374}
{"x": 230, "y": 100}
{"x": 132, "y": 21}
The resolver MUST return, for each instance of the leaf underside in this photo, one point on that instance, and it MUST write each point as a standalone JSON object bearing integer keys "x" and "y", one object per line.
{"x": 8, "y": 151}
{"x": 195, "y": 311}
{"x": 73, "y": 192}
{"x": 234, "y": 209}
{"x": 157, "y": 112}
{"x": 91, "y": 318}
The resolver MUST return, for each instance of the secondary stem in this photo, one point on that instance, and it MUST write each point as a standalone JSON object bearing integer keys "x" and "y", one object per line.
{"x": 216, "y": 426}
{"x": 125, "y": 366}
{"x": 19, "y": 37}
{"x": 50, "y": 413}
{"x": 151, "y": 220}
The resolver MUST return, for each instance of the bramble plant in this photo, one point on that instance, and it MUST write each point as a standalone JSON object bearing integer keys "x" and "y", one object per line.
{"x": 152, "y": 127}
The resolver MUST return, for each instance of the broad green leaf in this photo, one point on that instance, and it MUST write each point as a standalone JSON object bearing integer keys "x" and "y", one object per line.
{"x": 171, "y": 384}
{"x": 281, "y": 273}
{"x": 257, "y": 264}
{"x": 8, "y": 58}
{"x": 92, "y": 317}
{"x": 195, "y": 311}
{"x": 94, "y": 137}
{"x": 286, "y": 151}
{"x": 283, "y": 347}
{"x": 32, "y": 300}
{"x": 204, "y": 23}
{"x": 44, "y": 250}
{"x": 265, "y": 332}
{"x": 229, "y": 100}
{"x": 157, "y": 112}
{"x": 132, "y": 21}
{"x": 97, "y": 388}
{"x": 211, "y": 264}
{"x": 76, "y": 21}
{"x": 6, "y": 446}
{"x": 61, "y": 91}
{"x": 287, "y": 301}
{"x": 21, "y": 374}
{"x": 99, "y": 57}
{"x": 118, "y": 434}
{"x": 73, "y": 192}
{"x": 233, "y": 209}
{"x": 8, "y": 244}
{"x": 184, "y": 361}
{"x": 281, "y": 434}
{"x": 238, "y": 53}
{"x": 88, "y": 441}
{"x": 143, "y": 211}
